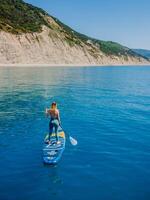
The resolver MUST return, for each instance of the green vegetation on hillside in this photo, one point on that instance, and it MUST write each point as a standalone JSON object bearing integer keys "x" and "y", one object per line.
{"x": 17, "y": 16}
{"x": 109, "y": 47}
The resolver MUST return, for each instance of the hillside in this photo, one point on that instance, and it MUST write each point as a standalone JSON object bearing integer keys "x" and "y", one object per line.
{"x": 143, "y": 52}
{"x": 31, "y": 36}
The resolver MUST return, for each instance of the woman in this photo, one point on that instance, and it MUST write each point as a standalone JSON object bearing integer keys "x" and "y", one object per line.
{"x": 53, "y": 112}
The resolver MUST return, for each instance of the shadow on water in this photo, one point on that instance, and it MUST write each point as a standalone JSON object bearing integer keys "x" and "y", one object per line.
{"x": 53, "y": 174}
{"x": 54, "y": 180}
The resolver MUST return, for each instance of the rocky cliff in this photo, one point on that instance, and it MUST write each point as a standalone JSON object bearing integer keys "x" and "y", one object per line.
{"x": 28, "y": 35}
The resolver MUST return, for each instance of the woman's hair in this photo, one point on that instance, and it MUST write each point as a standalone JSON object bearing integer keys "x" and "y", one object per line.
{"x": 54, "y": 105}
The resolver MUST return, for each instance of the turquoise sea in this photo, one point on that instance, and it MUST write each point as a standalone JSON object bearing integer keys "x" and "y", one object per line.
{"x": 107, "y": 109}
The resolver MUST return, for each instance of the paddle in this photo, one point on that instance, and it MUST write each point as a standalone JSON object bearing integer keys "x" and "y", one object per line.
{"x": 73, "y": 141}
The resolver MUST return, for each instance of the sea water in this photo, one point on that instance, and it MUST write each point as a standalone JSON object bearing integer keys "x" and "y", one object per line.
{"x": 107, "y": 109}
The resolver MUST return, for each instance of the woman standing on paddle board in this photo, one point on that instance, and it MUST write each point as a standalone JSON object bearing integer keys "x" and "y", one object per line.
{"x": 53, "y": 113}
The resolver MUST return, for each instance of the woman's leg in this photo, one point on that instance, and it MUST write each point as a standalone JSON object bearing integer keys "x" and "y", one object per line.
{"x": 50, "y": 130}
{"x": 56, "y": 132}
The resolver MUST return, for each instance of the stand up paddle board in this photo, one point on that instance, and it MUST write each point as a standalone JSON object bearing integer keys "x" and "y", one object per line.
{"x": 52, "y": 152}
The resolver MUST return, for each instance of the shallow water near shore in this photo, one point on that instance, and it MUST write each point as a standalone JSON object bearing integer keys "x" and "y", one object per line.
{"x": 107, "y": 109}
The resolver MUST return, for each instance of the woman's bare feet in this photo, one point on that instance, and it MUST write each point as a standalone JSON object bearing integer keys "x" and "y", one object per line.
{"x": 47, "y": 142}
{"x": 58, "y": 142}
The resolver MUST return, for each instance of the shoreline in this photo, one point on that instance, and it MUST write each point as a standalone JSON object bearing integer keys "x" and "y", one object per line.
{"x": 71, "y": 65}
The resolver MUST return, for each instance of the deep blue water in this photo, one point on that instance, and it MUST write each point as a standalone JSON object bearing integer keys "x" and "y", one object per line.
{"x": 107, "y": 109}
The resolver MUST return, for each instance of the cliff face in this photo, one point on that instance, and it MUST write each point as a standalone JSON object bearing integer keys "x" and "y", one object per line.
{"x": 45, "y": 40}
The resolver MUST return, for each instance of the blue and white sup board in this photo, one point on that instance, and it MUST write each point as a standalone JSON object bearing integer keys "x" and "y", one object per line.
{"x": 52, "y": 152}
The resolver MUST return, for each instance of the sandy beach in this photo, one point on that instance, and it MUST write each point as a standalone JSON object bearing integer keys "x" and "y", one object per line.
{"x": 70, "y": 65}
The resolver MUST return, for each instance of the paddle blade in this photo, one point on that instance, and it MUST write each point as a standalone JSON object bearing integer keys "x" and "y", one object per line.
{"x": 73, "y": 141}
